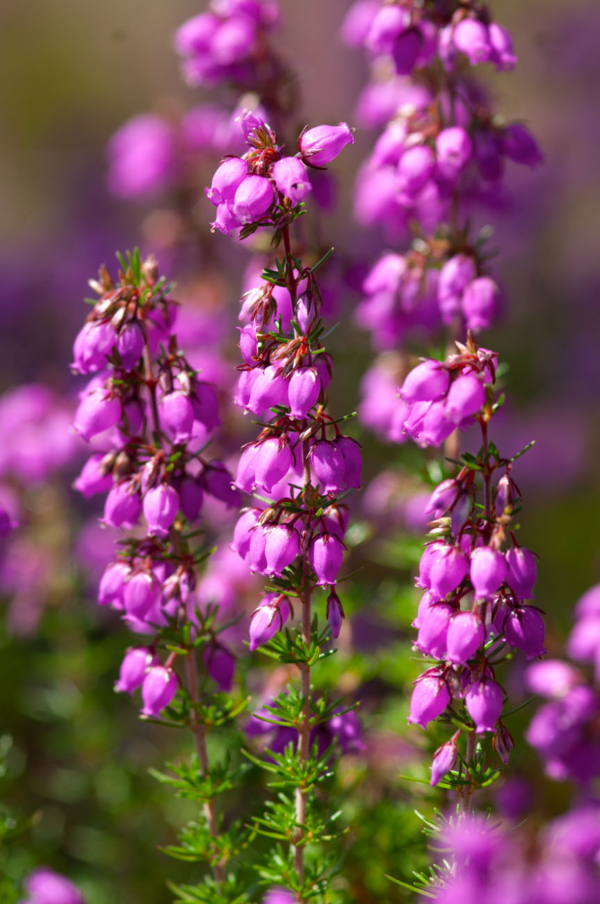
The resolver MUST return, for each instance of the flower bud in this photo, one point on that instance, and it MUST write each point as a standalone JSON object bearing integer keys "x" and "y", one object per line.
{"x": 443, "y": 498}
{"x": 269, "y": 389}
{"x": 96, "y": 412}
{"x": 350, "y": 450}
{"x": 112, "y": 584}
{"x": 205, "y": 405}
{"x": 304, "y": 390}
{"x": 242, "y": 532}
{"x": 282, "y": 545}
{"x": 483, "y": 700}
{"x": 466, "y": 397}
{"x": 429, "y": 699}
{"x": 140, "y": 594}
{"x": 274, "y": 458}
{"x": 503, "y": 743}
{"x": 453, "y": 151}
{"x": 158, "y": 689}
{"x": 521, "y": 572}
{"x": 123, "y": 506}
{"x": 220, "y": 665}
{"x": 481, "y": 303}
{"x": 270, "y": 617}
{"x": 449, "y": 568}
{"x": 136, "y": 663}
{"x": 406, "y": 50}
{"x": 524, "y": 629}
{"x": 321, "y": 145}
{"x": 325, "y": 556}
{"x": 93, "y": 344}
{"x": 291, "y": 179}
{"x": 334, "y": 613}
{"x": 218, "y": 482}
{"x": 191, "y": 497}
{"x": 177, "y": 415}
{"x": 253, "y": 197}
{"x": 551, "y": 678}
{"x": 327, "y": 462}
{"x": 415, "y": 169}
{"x": 249, "y": 345}
{"x": 130, "y": 345}
{"x": 93, "y": 479}
{"x": 433, "y": 630}
{"x": 426, "y": 382}
{"x": 503, "y": 53}
{"x": 256, "y": 556}
{"x": 488, "y": 571}
{"x": 466, "y": 633}
{"x": 444, "y": 760}
{"x": 226, "y": 180}
{"x": 161, "y": 505}
{"x": 471, "y": 37}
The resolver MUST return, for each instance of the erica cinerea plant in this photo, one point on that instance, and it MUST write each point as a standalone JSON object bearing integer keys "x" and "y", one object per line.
{"x": 299, "y": 468}
{"x": 478, "y": 581}
{"x": 148, "y": 415}
{"x": 439, "y": 160}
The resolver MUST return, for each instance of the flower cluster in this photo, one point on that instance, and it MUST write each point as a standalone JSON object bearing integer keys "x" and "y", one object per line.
{"x": 484, "y": 862}
{"x": 300, "y": 466}
{"x": 443, "y": 149}
{"x": 430, "y": 285}
{"x": 265, "y": 187}
{"x": 301, "y": 459}
{"x": 565, "y": 731}
{"x": 148, "y": 416}
{"x": 150, "y": 153}
{"x": 476, "y": 590}
{"x": 227, "y": 42}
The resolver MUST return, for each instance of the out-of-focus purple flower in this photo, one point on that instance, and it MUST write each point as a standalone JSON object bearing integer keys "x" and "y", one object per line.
{"x": 44, "y": 886}
{"x": 158, "y": 689}
{"x": 142, "y": 157}
{"x": 136, "y": 662}
{"x": 220, "y": 665}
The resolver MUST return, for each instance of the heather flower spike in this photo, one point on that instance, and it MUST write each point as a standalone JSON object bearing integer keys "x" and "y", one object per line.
{"x": 150, "y": 407}
{"x": 300, "y": 462}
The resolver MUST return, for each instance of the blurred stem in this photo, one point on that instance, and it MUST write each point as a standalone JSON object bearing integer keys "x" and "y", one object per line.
{"x": 191, "y": 669}
{"x": 467, "y": 792}
{"x": 199, "y": 732}
{"x": 304, "y": 726}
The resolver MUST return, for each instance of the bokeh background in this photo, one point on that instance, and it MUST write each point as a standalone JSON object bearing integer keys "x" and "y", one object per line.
{"x": 70, "y": 74}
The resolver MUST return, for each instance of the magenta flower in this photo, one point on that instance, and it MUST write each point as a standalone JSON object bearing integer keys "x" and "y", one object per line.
{"x": 160, "y": 507}
{"x": 444, "y": 760}
{"x": 325, "y": 556}
{"x": 158, "y": 689}
{"x": 282, "y": 544}
{"x": 483, "y": 700}
{"x": 44, "y": 886}
{"x": 429, "y": 699}
{"x": 271, "y": 615}
{"x": 466, "y": 633}
{"x": 253, "y": 198}
{"x": 321, "y": 145}
{"x": 291, "y": 179}
{"x": 488, "y": 571}
{"x": 136, "y": 662}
